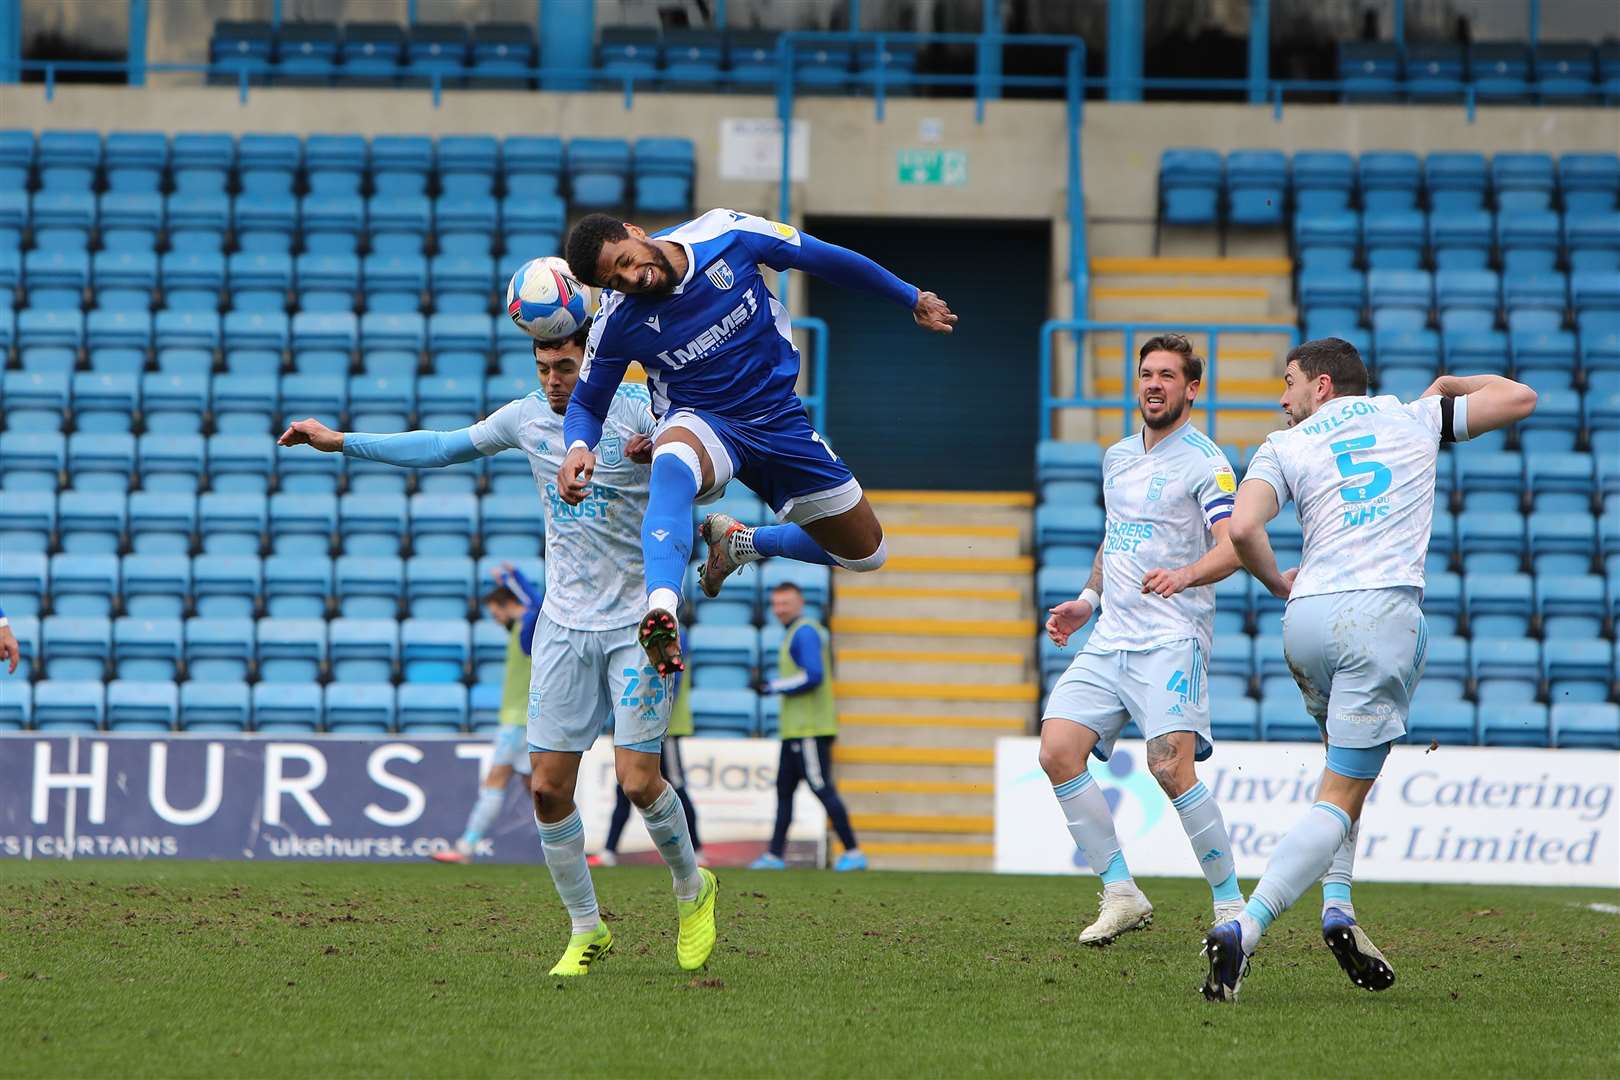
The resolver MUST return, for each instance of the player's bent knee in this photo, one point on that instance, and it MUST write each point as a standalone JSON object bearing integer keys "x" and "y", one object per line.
{"x": 672, "y": 452}
{"x": 1061, "y": 763}
{"x": 642, "y": 789}
{"x": 872, "y": 562}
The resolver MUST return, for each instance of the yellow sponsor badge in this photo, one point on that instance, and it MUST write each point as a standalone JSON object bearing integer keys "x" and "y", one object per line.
{"x": 786, "y": 232}
{"x": 1225, "y": 479}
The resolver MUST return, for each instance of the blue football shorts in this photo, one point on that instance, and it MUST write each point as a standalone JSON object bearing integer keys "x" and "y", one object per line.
{"x": 782, "y": 459}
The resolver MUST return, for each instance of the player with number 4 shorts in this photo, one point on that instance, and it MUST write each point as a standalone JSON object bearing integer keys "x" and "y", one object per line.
{"x": 1168, "y": 491}
{"x": 587, "y": 666}
{"x": 690, "y": 305}
{"x": 1360, "y": 471}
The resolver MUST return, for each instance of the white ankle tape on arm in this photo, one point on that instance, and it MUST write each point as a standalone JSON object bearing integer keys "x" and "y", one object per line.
{"x": 871, "y": 562}
{"x": 686, "y": 456}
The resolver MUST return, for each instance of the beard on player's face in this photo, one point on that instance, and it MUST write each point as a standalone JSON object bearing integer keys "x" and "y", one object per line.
{"x": 1166, "y": 416}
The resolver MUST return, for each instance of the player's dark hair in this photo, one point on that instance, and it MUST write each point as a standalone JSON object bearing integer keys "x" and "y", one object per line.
{"x": 585, "y": 242}
{"x": 578, "y": 337}
{"x": 786, "y": 586}
{"x": 1192, "y": 365}
{"x": 1334, "y": 357}
{"x": 500, "y": 594}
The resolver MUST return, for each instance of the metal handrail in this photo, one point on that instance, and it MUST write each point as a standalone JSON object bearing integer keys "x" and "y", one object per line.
{"x": 1126, "y": 401}
{"x": 816, "y": 399}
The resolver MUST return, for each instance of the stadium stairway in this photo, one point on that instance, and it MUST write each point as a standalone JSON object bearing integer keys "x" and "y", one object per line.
{"x": 934, "y": 661}
{"x": 1196, "y": 291}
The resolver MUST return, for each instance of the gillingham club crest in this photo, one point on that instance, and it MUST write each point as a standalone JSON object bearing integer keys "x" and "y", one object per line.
{"x": 720, "y": 275}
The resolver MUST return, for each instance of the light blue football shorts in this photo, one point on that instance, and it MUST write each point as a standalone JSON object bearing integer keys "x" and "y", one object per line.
{"x": 1164, "y": 689}
{"x": 512, "y": 748}
{"x": 582, "y": 680}
{"x": 1357, "y": 656}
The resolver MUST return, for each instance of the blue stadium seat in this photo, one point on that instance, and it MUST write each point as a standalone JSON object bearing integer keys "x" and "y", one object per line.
{"x": 31, "y": 460}
{"x": 296, "y": 586}
{"x": 502, "y": 55}
{"x": 1564, "y": 73}
{"x": 176, "y": 329}
{"x": 56, "y": 277}
{"x": 1589, "y": 724}
{"x": 142, "y": 706}
{"x": 1489, "y": 480}
{"x": 332, "y": 223}
{"x": 1498, "y": 604}
{"x": 427, "y": 708}
{"x": 1369, "y": 70}
{"x": 268, "y": 163}
{"x": 302, "y": 523}
{"x": 1523, "y": 181}
{"x": 1332, "y": 289}
{"x": 355, "y": 708}
{"x": 738, "y": 604}
{"x": 372, "y": 53}
{"x": 62, "y": 218}
{"x": 508, "y": 528}
{"x": 218, "y": 649}
{"x": 197, "y": 222}
{"x": 291, "y": 650}
{"x": 1562, "y": 543}
{"x": 259, "y": 281}
{"x": 90, "y": 522}
{"x": 1447, "y": 657}
{"x": 1403, "y": 290}
{"x": 77, "y": 647}
{"x": 1057, "y": 584}
{"x": 484, "y": 708}
{"x": 214, "y": 706}
{"x": 1570, "y": 606}
{"x": 751, "y": 56}
{"x": 264, "y": 222}
{"x": 1506, "y": 668}
{"x": 1190, "y": 181}
{"x": 129, "y": 225}
{"x": 664, "y": 170}
{"x": 1327, "y": 239}
{"x": 226, "y": 586}
{"x": 723, "y": 657}
{"x": 1544, "y": 357}
{"x": 533, "y": 164}
{"x": 1472, "y": 290}
{"x": 1555, "y": 423}
{"x": 232, "y": 523}
{"x": 462, "y": 285}
{"x": 1521, "y": 723}
{"x": 241, "y": 464}
{"x": 241, "y": 49}
{"x": 35, "y": 401}
{"x": 724, "y": 712}
{"x": 156, "y": 586}
{"x": 29, "y": 522}
{"x": 192, "y": 280}
{"x": 1073, "y": 526}
{"x": 375, "y": 524}
{"x": 692, "y": 57}
{"x": 438, "y": 587}
{"x": 65, "y": 705}
{"x": 628, "y": 53}
{"x": 287, "y": 708}
{"x": 363, "y": 650}
{"x": 815, "y": 582}
{"x": 161, "y": 522}
{"x": 171, "y": 463}
{"x": 1232, "y": 654}
{"x": 1461, "y": 239}
{"x": 1590, "y": 182}
{"x": 1056, "y": 460}
{"x": 173, "y": 404}
{"x": 50, "y": 328}
{"x": 443, "y": 525}
{"x": 16, "y": 704}
{"x": 1595, "y": 291}
{"x": 489, "y": 642}
{"x": 1448, "y": 723}
{"x": 437, "y": 52}
{"x": 1284, "y": 719}
{"x": 1499, "y": 72}
{"x": 369, "y": 586}
{"x": 1455, "y": 180}
{"x": 306, "y": 53}
{"x": 81, "y": 585}
{"x": 1389, "y": 180}
{"x": 1578, "y": 670}
{"x": 335, "y": 164}
{"x": 399, "y": 223}
{"x": 1529, "y": 240}
{"x": 382, "y": 403}
{"x": 1490, "y": 541}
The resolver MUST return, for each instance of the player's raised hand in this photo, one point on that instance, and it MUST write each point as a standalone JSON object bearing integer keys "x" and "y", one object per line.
{"x": 639, "y": 449}
{"x": 932, "y": 313}
{"x": 10, "y": 651}
{"x": 1165, "y": 583}
{"x": 1065, "y": 619}
{"x": 574, "y": 478}
{"x": 312, "y": 432}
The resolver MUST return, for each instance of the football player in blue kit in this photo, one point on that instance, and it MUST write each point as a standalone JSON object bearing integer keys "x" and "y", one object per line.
{"x": 691, "y": 306}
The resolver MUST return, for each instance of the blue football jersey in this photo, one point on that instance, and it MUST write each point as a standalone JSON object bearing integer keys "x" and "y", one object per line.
{"x": 719, "y": 341}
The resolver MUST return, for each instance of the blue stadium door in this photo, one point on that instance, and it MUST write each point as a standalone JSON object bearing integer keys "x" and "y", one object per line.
{"x": 909, "y": 409}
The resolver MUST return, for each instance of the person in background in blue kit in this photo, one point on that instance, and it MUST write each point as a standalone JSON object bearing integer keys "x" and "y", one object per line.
{"x": 808, "y": 726}
{"x": 673, "y": 770}
{"x": 515, "y": 604}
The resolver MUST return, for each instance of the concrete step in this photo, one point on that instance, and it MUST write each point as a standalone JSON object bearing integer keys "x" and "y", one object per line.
{"x": 979, "y": 760}
{"x": 998, "y": 574}
{"x": 1016, "y": 702}
{"x": 920, "y": 666}
{"x": 957, "y": 540}
{"x": 1192, "y": 303}
{"x": 964, "y": 507}
{"x": 927, "y": 729}
{"x": 943, "y": 637}
{"x": 853, "y": 766}
{"x": 860, "y": 800}
{"x": 920, "y": 827}
{"x": 857, "y": 599}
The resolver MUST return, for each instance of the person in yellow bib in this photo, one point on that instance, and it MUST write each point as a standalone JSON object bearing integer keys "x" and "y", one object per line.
{"x": 808, "y": 726}
{"x": 515, "y": 604}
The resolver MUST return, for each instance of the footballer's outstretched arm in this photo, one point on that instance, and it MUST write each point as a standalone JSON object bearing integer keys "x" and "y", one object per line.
{"x": 782, "y": 247}
{"x": 413, "y": 449}
{"x": 1483, "y": 403}
{"x": 1257, "y": 504}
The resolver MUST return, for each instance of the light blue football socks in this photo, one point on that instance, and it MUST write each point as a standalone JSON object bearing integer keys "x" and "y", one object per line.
{"x": 1092, "y": 826}
{"x": 564, "y": 845}
{"x": 1206, "y": 831}
{"x": 1300, "y": 860}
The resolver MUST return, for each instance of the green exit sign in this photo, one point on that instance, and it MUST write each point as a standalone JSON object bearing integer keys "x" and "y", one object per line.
{"x": 931, "y": 168}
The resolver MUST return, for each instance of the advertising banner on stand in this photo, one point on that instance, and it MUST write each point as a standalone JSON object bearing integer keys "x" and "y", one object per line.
{"x": 330, "y": 797}
{"x": 1460, "y": 814}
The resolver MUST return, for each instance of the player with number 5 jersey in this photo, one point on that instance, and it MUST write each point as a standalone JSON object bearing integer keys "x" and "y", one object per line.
{"x": 690, "y": 305}
{"x": 1360, "y": 470}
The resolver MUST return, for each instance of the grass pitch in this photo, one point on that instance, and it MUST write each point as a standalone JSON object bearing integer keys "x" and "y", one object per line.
{"x": 232, "y": 969}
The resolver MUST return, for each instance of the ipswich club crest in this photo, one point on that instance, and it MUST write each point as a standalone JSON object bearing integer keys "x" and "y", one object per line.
{"x": 610, "y": 451}
{"x": 720, "y": 275}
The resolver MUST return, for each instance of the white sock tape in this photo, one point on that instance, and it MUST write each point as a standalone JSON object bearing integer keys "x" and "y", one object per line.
{"x": 686, "y": 456}
{"x": 868, "y": 564}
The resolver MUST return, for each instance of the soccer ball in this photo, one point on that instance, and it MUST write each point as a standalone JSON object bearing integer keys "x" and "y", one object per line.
{"x": 546, "y": 301}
